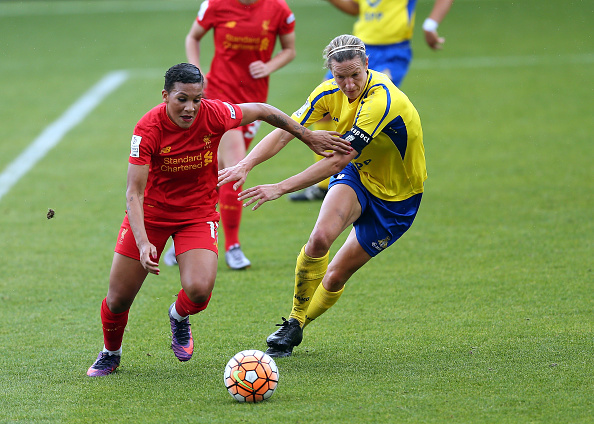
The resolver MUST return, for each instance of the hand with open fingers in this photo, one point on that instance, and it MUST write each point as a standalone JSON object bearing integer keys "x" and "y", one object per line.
{"x": 260, "y": 195}
{"x": 148, "y": 257}
{"x": 321, "y": 141}
{"x": 233, "y": 173}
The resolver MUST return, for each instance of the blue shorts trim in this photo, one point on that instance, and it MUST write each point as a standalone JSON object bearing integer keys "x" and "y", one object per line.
{"x": 390, "y": 59}
{"x": 381, "y": 222}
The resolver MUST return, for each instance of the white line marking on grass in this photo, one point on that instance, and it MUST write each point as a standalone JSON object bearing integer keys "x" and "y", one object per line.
{"x": 54, "y": 133}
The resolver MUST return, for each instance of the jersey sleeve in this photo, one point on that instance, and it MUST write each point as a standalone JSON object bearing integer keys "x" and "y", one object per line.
{"x": 288, "y": 24}
{"x": 228, "y": 115}
{"x": 206, "y": 15}
{"x": 142, "y": 145}
{"x": 234, "y": 113}
{"x": 316, "y": 106}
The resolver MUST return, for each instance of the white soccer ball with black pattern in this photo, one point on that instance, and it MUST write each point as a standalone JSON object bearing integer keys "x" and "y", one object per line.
{"x": 251, "y": 376}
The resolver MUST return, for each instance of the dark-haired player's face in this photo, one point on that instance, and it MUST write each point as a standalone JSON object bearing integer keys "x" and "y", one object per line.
{"x": 350, "y": 76}
{"x": 183, "y": 102}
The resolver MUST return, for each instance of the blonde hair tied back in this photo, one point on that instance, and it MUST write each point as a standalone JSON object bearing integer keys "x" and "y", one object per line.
{"x": 344, "y": 47}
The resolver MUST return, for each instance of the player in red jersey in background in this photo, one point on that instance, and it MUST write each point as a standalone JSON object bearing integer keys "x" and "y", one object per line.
{"x": 245, "y": 33}
{"x": 172, "y": 192}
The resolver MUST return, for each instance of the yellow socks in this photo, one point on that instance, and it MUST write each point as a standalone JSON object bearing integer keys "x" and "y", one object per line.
{"x": 309, "y": 273}
{"x": 321, "y": 301}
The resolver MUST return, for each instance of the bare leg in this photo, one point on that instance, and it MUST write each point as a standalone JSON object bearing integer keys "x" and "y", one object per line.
{"x": 198, "y": 271}
{"x": 125, "y": 280}
{"x": 345, "y": 263}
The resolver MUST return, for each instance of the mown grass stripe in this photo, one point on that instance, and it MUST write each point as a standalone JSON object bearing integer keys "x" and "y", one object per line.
{"x": 54, "y": 133}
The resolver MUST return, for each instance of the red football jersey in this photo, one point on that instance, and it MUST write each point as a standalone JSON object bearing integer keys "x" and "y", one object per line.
{"x": 183, "y": 171}
{"x": 242, "y": 34}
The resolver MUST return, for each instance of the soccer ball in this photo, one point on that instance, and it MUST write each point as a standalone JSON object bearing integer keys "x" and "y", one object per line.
{"x": 251, "y": 376}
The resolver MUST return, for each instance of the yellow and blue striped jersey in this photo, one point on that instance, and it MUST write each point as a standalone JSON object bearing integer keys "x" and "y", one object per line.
{"x": 383, "y": 126}
{"x": 385, "y": 21}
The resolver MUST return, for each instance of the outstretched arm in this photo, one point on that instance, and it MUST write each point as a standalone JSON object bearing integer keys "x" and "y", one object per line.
{"x": 264, "y": 150}
{"x": 287, "y": 129}
{"x": 318, "y": 141}
{"x": 317, "y": 172}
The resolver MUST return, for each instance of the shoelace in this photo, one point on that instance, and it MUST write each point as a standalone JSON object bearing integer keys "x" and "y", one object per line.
{"x": 106, "y": 361}
{"x": 182, "y": 331}
{"x": 284, "y": 326}
{"x": 236, "y": 254}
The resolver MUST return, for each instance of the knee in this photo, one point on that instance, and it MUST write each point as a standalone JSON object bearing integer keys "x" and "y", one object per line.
{"x": 118, "y": 304}
{"x": 335, "y": 279}
{"x": 319, "y": 243}
{"x": 198, "y": 290}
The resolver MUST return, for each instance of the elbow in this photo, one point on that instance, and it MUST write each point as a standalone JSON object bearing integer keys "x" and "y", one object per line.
{"x": 192, "y": 43}
{"x": 335, "y": 169}
{"x": 292, "y": 54}
{"x": 340, "y": 162}
{"x": 133, "y": 196}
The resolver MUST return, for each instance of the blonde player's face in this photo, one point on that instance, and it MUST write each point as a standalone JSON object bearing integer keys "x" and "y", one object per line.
{"x": 350, "y": 76}
{"x": 183, "y": 102}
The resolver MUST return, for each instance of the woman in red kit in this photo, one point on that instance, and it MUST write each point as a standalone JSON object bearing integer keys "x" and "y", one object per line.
{"x": 245, "y": 33}
{"x": 171, "y": 192}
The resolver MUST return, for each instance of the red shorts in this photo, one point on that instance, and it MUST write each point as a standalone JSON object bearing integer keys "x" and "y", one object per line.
{"x": 187, "y": 236}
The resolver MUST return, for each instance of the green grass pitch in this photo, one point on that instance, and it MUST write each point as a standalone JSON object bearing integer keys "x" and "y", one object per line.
{"x": 482, "y": 313}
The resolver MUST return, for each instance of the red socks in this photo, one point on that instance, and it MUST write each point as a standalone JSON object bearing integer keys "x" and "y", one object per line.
{"x": 115, "y": 324}
{"x": 113, "y": 327}
{"x": 184, "y": 306}
{"x": 230, "y": 209}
